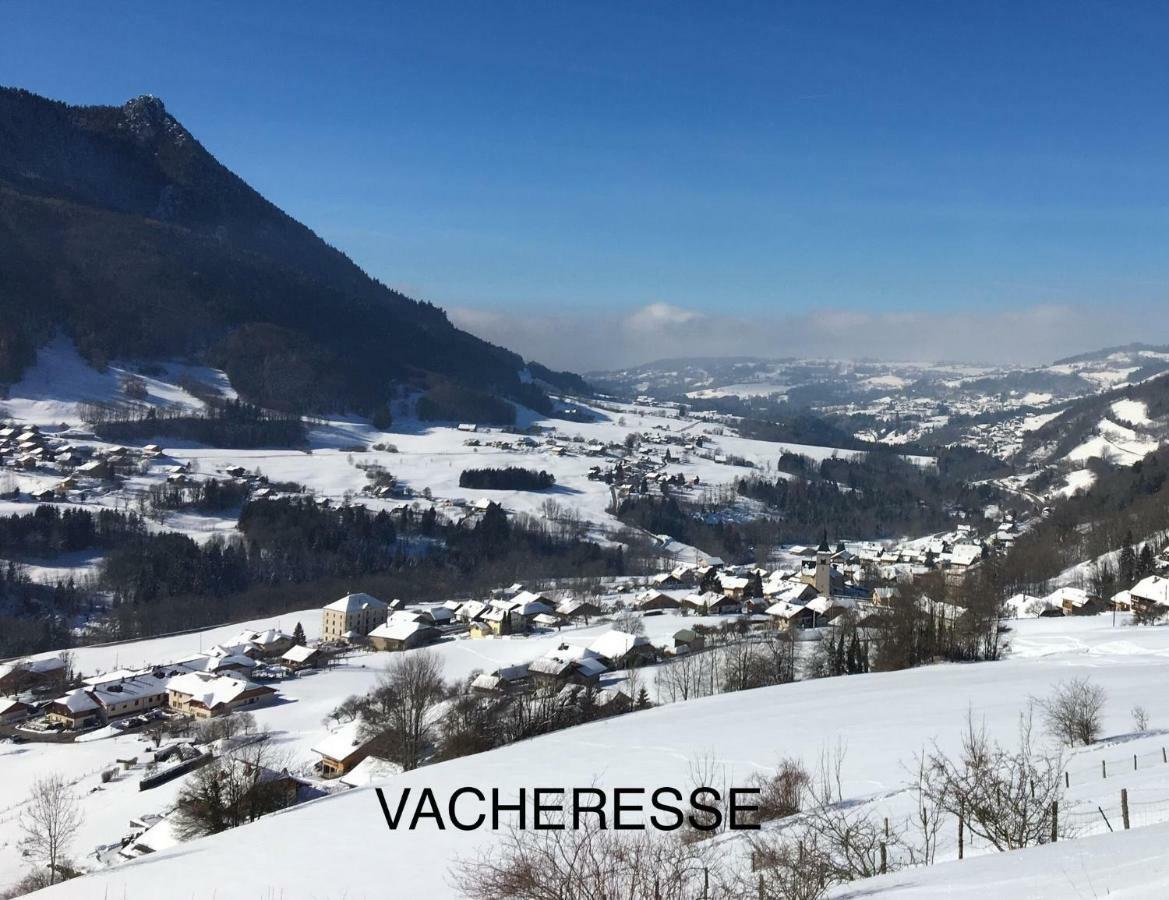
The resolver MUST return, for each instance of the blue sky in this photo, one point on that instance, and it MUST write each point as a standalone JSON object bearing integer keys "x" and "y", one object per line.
{"x": 743, "y": 162}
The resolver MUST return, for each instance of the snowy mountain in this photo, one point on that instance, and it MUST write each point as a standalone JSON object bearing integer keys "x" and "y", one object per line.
{"x": 120, "y": 229}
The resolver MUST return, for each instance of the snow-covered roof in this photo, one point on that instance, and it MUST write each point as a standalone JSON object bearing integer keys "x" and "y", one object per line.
{"x": 299, "y": 654}
{"x": 398, "y": 630}
{"x": 77, "y": 700}
{"x": 144, "y": 685}
{"x": 352, "y": 603}
{"x": 213, "y": 690}
{"x": 342, "y": 743}
{"x": 615, "y": 644}
{"x": 370, "y": 770}
{"x": 1153, "y": 589}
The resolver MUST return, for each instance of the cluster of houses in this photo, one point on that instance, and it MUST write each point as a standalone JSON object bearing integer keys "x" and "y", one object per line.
{"x": 1148, "y": 597}
{"x": 207, "y": 684}
{"x": 80, "y": 467}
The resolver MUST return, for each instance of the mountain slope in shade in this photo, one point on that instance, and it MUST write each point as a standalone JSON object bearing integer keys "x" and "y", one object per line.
{"x": 119, "y": 228}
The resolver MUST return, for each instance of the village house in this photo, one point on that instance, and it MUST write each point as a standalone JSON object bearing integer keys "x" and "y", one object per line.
{"x": 352, "y": 617}
{"x": 620, "y": 650}
{"x": 712, "y": 603}
{"x": 75, "y": 711}
{"x": 655, "y": 601}
{"x": 219, "y": 660}
{"x": 204, "y": 695}
{"x": 12, "y": 711}
{"x": 548, "y": 671}
{"x": 1150, "y": 596}
{"x": 32, "y": 675}
{"x": 507, "y": 680}
{"x": 300, "y": 657}
{"x": 341, "y": 750}
{"x": 579, "y": 609}
{"x": 402, "y": 634}
{"x": 131, "y": 695}
{"x": 1075, "y": 602}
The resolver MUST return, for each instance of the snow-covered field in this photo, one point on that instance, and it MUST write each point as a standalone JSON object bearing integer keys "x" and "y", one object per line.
{"x": 422, "y": 456}
{"x": 340, "y": 846}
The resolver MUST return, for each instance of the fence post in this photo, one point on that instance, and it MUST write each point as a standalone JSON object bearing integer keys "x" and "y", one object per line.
{"x": 1124, "y": 806}
{"x": 1104, "y": 767}
{"x": 1134, "y": 762}
{"x": 1164, "y": 757}
{"x": 762, "y": 895}
{"x": 705, "y": 883}
{"x": 1067, "y": 779}
{"x": 1054, "y": 821}
{"x": 884, "y": 860}
{"x": 1104, "y": 815}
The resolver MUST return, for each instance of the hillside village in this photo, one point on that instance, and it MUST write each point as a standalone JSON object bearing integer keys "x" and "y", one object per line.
{"x": 579, "y": 656}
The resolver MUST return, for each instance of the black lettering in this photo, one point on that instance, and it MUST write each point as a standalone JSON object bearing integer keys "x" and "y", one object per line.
{"x": 392, "y": 821}
{"x": 736, "y": 807}
{"x": 702, "y": 823}
{"x": 427, "y": 799}
{"x": 619, "y": 807}
{"x": 451, "y": 809}
{"x": 497, "y": 808}
{"x": 676, "y": 811}
{"x": 541, "y": 807}
{"x": 578, "y": 808}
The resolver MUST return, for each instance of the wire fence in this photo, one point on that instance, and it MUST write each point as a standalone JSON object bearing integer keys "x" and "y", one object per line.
{"x": 1115, "y": 766}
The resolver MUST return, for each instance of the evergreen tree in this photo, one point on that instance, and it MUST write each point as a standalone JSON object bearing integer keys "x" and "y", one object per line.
{"x": 643, "y": 698}
{"x": 298, "y": 635}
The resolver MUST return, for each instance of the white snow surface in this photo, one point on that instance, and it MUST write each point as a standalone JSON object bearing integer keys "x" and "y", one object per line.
{"x": 882, "y": 719}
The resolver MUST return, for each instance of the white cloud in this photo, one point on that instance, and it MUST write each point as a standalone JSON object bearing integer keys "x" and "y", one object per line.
{"x": 583, "y": 341}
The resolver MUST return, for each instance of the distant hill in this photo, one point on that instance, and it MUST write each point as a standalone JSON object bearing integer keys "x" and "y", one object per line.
{"x": 119, "y": 228}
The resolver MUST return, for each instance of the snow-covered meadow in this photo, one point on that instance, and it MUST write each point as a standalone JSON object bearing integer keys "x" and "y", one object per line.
{"x": 880, "y": 720}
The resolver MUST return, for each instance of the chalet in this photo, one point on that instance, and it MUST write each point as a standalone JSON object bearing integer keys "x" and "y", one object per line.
{"x": 12, "y": 710}
{"x": 219, "y": 660}
{"x": 1074, "y": 602}
{"x": 32, "y": 675}
{"x": 1150, "y": 596}
{"x": 352, "y": 617}
{"x": 664, "y": 580}
{"x": 75, "y": 711}
{"x": 507, "y": 680}
{"x": 95, "y": 468}
{"x": 652, "y": 601}
{"x": 402, "y": 635}
{"x": 734, "y": 586}
{"x": 341, "y": 750}
{"x": 127, "y": 696}
{"x": 548, "y": 671}
{"x": 203, "y": 695}
{"x": 301, "y": 657}
{"x": 711, "y": 603}
{"x": 495, "y": 621}
{"x": 578, "y": 609}
{"x": 471, "y": 610}
{"x": 683, "y": 641}
{"x": 620, "y": 650}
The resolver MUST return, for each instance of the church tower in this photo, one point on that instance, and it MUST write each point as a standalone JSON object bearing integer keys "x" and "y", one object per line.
{"x": 823, "y": 582}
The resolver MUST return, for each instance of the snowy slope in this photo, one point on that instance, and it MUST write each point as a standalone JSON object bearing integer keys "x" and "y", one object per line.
{"x": 340, "y": 846}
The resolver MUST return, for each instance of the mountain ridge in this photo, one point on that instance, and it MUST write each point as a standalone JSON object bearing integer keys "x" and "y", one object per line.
{"x": 119, "y": 228}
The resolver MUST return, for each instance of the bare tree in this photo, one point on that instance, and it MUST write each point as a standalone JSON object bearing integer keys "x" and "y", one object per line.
{"x": 1072, "y": 712}
{"x": 591, "y": 863}
{"x": 1140, "y": 718}
{"x": 49, "y": 821}
{"x": 629, "y": 621}
{"x": 399, "y": 712}
{"x": 1005, "y": 795}
{"x": 239, "y": 787}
